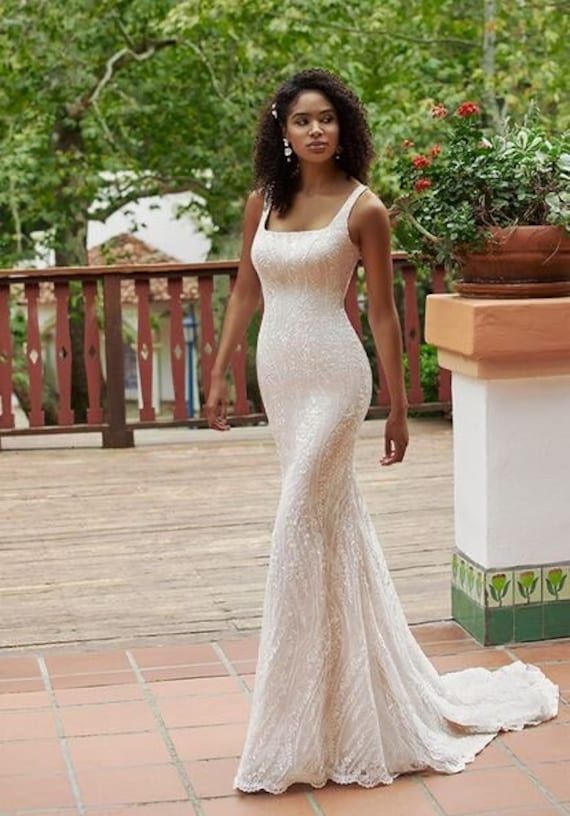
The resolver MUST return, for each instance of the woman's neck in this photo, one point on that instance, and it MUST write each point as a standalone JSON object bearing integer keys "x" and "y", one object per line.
{"x": 318, "y": 178}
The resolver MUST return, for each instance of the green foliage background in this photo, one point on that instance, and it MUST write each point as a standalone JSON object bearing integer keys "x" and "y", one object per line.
{"x": 167, "y": 93}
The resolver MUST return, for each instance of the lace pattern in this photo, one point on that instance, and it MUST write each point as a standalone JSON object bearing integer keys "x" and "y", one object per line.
{"x": 343, "y": 691}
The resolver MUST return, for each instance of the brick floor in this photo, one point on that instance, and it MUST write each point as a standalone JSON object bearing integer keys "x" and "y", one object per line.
{"x": 106, "y": 732}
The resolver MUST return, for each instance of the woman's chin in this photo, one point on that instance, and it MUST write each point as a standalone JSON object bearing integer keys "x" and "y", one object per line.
{"x": 315, "y": 156}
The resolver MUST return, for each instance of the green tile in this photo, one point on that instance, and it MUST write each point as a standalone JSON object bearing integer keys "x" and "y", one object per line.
{"x": 499, "y": 625}
{"x": 557, "y": 619}
{"x": 556, "y": 583}
{"x": 466, "y": 609}
{"x": 458, "y": 608}
{"x": 499, "y": 588}
{"x": 470, "y": 580}
{"x": 478, "y": 629}
{"x": 511, "y": 604}
{"x": 528, "y": 622}
{"x": 454, "y": 568}
{"x": 455, "y": 602}
{"x": 479, "y": 594}
{"x": 468, "y": 614}
{"x": 462, "y": 574}
{"x": 528, "y": 585}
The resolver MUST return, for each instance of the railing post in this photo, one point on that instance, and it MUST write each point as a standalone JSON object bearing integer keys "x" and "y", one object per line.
{"x": 412, "y": 333}
{"x": 92, "y": 353}
{"x": 117, "y": 435}
{"x": 444, "y": 378}
{"x": 34, "y": 355}
{"x": 6, "y": 415}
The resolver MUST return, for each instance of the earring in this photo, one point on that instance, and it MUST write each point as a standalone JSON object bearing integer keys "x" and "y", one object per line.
{"x": 287, "y": 150}
{"x": 338, "y": 152}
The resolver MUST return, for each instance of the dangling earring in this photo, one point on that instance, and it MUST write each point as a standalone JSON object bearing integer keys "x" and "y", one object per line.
{"x": 287, "y": 150}
{"x": 338, "y": 152}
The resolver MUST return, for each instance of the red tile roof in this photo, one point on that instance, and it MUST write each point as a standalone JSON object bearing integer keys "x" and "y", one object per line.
{"x": 126, "y": 248}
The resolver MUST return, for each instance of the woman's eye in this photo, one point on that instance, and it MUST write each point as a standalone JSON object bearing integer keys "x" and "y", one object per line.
{"x": 302, "y": 121}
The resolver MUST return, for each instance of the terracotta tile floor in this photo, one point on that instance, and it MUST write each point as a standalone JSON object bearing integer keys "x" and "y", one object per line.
{"x": 158, "y": 732}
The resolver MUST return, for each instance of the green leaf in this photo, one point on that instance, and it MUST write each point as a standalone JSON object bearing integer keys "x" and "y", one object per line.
{"x": 550, "y": 587}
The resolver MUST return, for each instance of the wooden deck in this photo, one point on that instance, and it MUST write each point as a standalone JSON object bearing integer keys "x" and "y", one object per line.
{"x": 169, "y": 541}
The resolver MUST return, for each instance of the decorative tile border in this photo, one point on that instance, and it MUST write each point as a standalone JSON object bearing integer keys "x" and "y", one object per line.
{"x": 517, "y": 604}
{"x": 528, "y": 586}
{"x": 556, "y": 583}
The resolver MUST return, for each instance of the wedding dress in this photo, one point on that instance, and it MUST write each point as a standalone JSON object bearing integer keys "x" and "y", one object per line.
{"x": 343, "y": 691}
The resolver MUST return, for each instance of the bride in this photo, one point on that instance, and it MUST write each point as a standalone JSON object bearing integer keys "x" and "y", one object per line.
{"x": 342, "y": 690}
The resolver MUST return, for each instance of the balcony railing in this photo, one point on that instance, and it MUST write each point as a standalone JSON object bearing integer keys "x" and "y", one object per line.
{"x": 103, "y": 340}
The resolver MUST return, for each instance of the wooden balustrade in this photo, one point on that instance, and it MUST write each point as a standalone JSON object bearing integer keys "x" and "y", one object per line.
{"x": 101, "y": 286}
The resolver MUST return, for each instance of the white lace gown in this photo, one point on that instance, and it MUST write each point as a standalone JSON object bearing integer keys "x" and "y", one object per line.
{"x": 342, "y": 690}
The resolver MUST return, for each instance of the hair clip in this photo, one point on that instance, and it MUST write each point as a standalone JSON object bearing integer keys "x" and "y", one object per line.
{"x": 274, "y": 109}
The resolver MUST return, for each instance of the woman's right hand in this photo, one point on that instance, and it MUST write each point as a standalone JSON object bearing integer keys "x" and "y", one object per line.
{"x": 216, "y": 407}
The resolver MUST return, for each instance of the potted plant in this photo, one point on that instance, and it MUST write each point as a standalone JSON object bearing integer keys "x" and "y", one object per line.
{"x": 494, "y": 209}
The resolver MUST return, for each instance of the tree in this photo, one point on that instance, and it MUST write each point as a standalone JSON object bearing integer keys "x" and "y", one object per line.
{"x": 105, "y": 101}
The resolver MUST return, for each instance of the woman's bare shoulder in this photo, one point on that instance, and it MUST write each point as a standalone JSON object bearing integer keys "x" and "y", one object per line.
{"x": 369, "y": 202}
{"x": 254, "y": 202}
{"x": 369, "y": 213}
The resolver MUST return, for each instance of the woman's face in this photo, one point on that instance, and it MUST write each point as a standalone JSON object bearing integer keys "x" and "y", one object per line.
{"x": 312, "y": 127}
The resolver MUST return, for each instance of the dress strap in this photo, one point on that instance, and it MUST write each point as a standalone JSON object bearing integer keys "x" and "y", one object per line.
{"x": 341, "y": 218}
{"x": 348, "y": 204}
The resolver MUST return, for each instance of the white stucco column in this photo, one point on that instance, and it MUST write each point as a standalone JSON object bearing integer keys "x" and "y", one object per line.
{"x": 510, "y": 363}
{"x": 512, "y": 468}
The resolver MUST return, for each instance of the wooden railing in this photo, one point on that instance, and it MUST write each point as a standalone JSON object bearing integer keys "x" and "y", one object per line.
{"x": 102, "y": 285}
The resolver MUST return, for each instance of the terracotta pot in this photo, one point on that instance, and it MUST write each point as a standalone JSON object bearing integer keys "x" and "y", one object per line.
{"x": 527, "y": 261}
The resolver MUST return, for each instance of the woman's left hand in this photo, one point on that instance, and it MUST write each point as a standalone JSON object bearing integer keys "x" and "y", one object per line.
{"x": 396, "y": 439}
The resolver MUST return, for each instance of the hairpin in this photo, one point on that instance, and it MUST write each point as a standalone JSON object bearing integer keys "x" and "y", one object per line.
{"x": 274, "y": 109}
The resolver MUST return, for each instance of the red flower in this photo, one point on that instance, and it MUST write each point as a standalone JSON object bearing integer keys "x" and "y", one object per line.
{"x": 420, "y": 161}
{"x": 422, "y": 184}
{"x": 468, "y": 109}
{"x": 439, "y": 111}
{"x": 407, "y": 143}
{"x": 435, "y": 150}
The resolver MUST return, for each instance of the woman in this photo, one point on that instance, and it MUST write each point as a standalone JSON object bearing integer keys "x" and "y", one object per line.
{"x": 342, "y": 689}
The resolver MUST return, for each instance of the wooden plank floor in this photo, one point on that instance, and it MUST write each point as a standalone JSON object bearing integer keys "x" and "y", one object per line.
{"x": 169, "y": 541}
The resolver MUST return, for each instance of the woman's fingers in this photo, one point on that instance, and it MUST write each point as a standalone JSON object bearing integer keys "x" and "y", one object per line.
{"x": 222, "y": 423}
{"x": 395, "y": 451}
{"x": 216, "y": 416}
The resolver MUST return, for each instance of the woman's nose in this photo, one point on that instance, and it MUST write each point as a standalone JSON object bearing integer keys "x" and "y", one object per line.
{"x": 316, "y": 128}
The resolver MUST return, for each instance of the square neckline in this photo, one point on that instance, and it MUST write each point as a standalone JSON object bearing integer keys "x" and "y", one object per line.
{"x": 265, "y": 218}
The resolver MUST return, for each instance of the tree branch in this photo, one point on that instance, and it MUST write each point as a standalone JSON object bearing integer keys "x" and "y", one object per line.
{"x": 215, "y": 82}
{"x": 121, "y": 58}
{"x": 13, "y": 203}
{"x": 156, "y": 187}
{"x": 391, "y": 34}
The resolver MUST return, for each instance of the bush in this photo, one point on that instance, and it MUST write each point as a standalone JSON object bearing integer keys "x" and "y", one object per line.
{"x": 429, "y": 371}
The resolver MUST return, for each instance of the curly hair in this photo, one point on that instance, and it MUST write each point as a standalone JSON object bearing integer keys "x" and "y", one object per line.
{"x": 279, "y": 179}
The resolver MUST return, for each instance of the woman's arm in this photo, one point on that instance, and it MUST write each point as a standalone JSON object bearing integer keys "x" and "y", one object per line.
{"x": 370, "y": 226}
{"x": 242, "y": 304}
{"x": 244, "y": 298}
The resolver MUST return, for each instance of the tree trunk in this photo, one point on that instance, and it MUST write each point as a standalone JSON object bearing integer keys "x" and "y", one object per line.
{"x": 71, "y": 247}
{"x": 495, "y": 110}
{"x": 73, "y": 257}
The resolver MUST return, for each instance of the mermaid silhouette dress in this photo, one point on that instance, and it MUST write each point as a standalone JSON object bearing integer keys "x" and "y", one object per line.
{"x": 342, "y": 690}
